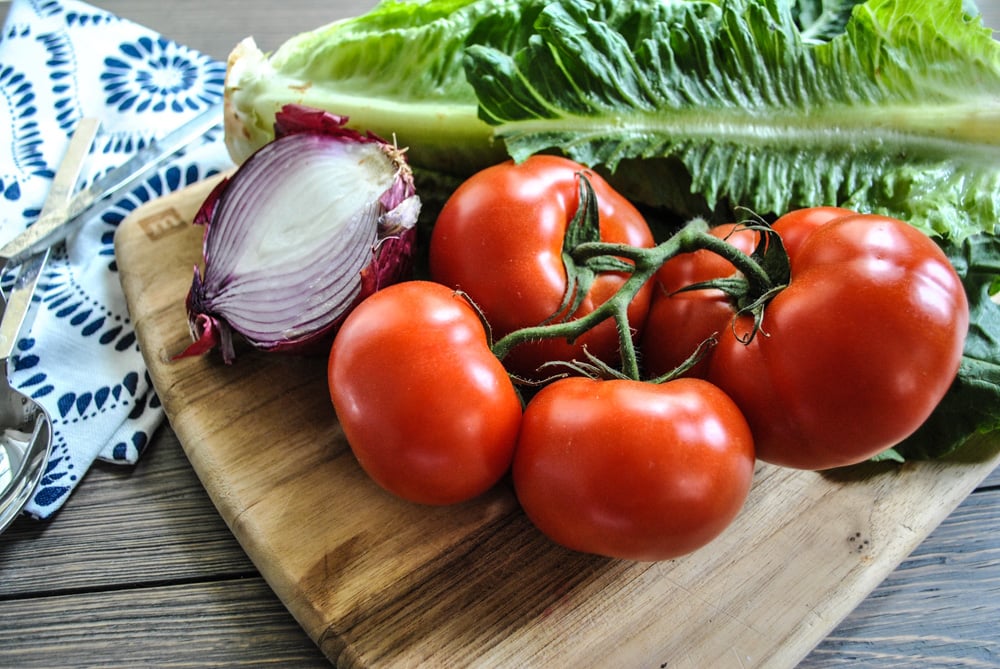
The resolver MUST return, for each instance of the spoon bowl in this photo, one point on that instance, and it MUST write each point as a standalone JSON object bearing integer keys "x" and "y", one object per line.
{"x": 25, "y": 445}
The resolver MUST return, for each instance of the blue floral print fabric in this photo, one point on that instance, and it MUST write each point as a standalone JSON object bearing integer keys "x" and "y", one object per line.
{"x": 60, "y": 61}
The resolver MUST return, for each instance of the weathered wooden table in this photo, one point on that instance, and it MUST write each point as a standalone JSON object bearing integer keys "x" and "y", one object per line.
{"x": 139, "y": 570}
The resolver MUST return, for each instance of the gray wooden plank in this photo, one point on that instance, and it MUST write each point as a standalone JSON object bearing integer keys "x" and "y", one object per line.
{"x": 123, "y": 527}
{"x": 235, "y": 623}
{"x": 991, "y": 481}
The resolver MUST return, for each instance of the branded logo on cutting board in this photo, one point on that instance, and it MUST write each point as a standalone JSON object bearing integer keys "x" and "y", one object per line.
{"x": 162, "y": 223}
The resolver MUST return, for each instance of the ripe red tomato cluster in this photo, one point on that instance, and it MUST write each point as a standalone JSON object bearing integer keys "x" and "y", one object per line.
{"x": 850, "y": 358}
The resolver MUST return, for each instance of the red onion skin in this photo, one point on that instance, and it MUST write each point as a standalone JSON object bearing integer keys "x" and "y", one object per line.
{"x": 391, "y": 261}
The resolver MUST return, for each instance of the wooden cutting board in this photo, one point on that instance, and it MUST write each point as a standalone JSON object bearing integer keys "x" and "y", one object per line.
{"x": 378, "y": 582}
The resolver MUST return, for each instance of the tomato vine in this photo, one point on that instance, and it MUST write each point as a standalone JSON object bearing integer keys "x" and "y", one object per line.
{"x": 762, "y": 274}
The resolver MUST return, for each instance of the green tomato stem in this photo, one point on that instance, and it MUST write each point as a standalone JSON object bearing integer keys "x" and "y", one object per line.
{"x": 645, "y": 263}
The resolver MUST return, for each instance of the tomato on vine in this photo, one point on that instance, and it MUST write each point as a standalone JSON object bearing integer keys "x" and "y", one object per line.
{"x": 843, "y": 354}
{"x": 500, "y": 239}
{"x": 856, "y": 352}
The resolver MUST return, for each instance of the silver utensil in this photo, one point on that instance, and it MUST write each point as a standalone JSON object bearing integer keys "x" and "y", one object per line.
{"x": 25, "y": 426}
{"x": 58, "y": 224}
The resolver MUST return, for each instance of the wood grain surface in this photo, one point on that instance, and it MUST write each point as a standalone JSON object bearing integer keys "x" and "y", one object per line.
{"x": 140, "y": 570}
{"x": 379, "y": 582}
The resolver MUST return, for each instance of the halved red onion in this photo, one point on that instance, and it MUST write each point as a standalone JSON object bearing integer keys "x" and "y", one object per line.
{"x": 303, "y": 230}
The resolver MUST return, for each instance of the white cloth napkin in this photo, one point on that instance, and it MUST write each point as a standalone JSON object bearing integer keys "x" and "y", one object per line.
{"x": 61, "y": 60}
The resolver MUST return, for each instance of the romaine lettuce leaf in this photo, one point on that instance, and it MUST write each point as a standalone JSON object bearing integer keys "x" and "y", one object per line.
{"x": 898, "y": 114}
{"x": 885, "y": 105}
{"x": 398, "y": 70}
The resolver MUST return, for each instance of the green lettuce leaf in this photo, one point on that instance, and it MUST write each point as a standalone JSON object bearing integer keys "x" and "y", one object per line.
{"x": 697, "y": 106}
{"x": 396, "y": 71}
{"x": 898, "y": 114}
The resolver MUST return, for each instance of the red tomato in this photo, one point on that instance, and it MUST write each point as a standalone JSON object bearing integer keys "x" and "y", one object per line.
{"x": 428, "y": 410}
{"x": 499, "y": 238}
{"x": 632, "y": 470}
{"x": 678, "y": 323}
{"x": 856, "y": 352}
{"x": 796, "y": 225}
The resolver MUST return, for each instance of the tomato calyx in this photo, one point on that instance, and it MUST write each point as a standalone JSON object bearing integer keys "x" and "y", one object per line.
{"x": 759, "y": 276}
{"x": 583, "y": 228}
{"x": 767, "y": 273}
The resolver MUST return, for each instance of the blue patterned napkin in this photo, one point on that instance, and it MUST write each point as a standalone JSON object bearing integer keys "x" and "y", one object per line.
{"x": 61, "y": 60}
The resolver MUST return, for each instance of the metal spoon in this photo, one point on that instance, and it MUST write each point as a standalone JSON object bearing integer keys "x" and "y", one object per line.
{"x": 25, "y": 426}
{"x": 24, "y": 449}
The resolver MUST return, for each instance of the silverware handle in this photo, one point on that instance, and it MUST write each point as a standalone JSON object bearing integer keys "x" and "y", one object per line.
{"x": 57, "y": 225}
{"x": 19, "y": 308}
